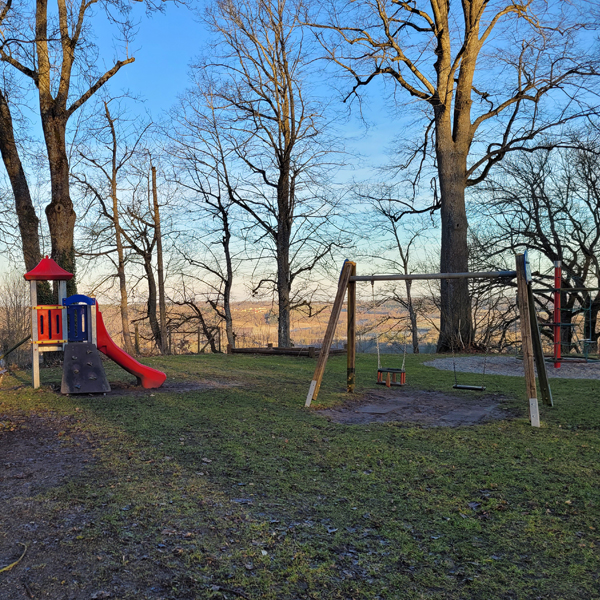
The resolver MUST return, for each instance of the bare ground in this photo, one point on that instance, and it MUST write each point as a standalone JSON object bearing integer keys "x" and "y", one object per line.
{"x": 427, "y": 408}
{"x": 38, "y": 454}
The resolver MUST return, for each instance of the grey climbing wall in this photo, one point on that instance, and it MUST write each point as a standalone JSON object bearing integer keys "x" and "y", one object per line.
{"x": 83, "y": 372}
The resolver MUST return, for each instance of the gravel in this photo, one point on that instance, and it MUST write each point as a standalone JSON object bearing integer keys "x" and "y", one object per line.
{"x": 513, "y": 367}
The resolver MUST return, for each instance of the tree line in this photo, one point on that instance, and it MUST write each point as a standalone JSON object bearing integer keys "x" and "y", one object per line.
{"x": 245, "y": 178}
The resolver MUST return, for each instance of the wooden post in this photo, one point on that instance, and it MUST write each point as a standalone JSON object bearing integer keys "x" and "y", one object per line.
{"x": 351, "y": 334}
{"x": 137, "y": 338}
{"x": 93, "y": 334}
{"x": 35, "y": 349}
{"x": 557, "y": 313}
{"x": 313, "y": 390}
{"x": 523, "y": 301}
{"x": 538, "y": 351}
{"x": 62, "y": 294}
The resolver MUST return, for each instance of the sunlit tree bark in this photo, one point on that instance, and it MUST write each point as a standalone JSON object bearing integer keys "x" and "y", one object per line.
{"x": 482, "y": 69}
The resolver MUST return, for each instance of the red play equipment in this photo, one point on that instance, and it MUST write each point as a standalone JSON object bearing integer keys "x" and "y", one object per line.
{"x": 75, "y": 326}
{"x": 146, "y": 376}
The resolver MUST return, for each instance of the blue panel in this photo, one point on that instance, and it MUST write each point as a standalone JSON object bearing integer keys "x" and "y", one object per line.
{"x": 77, "y": 322}
{"x": 79, "y": 299}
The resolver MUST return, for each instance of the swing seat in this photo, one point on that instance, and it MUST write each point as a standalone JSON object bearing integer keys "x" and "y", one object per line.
{"x": 474, "y": 388}
{"x": 391, "y": 377}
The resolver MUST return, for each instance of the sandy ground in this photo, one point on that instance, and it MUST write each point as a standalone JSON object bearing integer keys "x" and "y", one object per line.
{"x": 511, "y": 366}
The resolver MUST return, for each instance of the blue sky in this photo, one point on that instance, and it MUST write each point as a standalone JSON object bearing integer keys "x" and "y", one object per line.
{"x": 165, "y": 45}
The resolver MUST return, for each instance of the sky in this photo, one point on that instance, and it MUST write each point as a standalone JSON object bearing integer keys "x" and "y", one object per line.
{"x": 164, "y": 47}
{"x": 166, "y": 44}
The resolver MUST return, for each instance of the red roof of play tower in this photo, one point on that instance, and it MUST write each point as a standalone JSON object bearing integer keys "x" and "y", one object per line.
{"x": 48, "y": 270}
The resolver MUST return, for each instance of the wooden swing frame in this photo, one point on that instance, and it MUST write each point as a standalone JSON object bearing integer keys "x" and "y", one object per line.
{"x": 530, "y": 334}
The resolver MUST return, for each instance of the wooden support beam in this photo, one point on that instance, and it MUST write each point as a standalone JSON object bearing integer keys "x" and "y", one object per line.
{"x": 526, "y": 340}
{"x": 351, "y": 334}
{"x": 315, "y": 384}
{"x": 538, "y": 351}
{"x": 428, "y": 276}
{"x": 35, "y": 350}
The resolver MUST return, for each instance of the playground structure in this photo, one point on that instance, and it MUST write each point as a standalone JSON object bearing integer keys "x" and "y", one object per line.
{"x": 530, "y": 334}
{"x": 75, "y": 327}
{"x": 586, "y": 345}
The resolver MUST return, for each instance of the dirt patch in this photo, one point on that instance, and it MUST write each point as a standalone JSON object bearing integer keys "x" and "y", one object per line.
{"x": 431, "y": 409}
{"x": 170, "y": 387}
{"x": 38, "y": 454}
{"x": 121, "y": 388}
{"x": 513, "y": 367}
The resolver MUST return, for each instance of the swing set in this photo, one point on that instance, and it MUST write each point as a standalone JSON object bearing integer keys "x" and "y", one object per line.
{"x": 530, "y": 335}
{"x": 388, "y": 376}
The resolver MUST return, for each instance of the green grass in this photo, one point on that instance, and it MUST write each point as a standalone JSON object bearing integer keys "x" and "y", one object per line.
{"x": 293, "y": 506}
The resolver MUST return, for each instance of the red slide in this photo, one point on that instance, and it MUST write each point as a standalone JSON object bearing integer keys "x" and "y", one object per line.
{"x": 147, "y": 376}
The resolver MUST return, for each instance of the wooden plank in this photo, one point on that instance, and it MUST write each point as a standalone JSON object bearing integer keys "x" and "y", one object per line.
{"x": 310, "y": 352}
{"x": 523, "y": 302}
{"x": 313, "y": 391}
{"x": 538, "y": 352}
{"x": 351, "y": 334}
{"x": 427, "y": 276}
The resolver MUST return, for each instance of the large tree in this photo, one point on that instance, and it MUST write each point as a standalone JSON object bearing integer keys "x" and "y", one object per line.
{"x": 28, "y": 221}
{"x": 200, "y": 152}
{"x": 276, "y": 137}
{"x": 59, "y": 60}
{"x": 491, "y": 75}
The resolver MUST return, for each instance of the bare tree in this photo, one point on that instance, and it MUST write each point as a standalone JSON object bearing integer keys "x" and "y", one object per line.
{"x": 26, "y": 214}
{"x": 276, "y": 137}
{"x": 404, "y": 236}
{"x": 113, "y": 142}
{"x": 549, "y": 203}
{"x": 201, "y": 161}
{"x": 491, "y": 75}
{"x": 59, "y": 60}
{"x": 15, "y": 316}
{"x": 141, "y": 233}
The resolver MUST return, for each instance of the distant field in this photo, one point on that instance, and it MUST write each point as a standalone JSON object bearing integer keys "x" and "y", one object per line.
{"x": 255, "y": 325}
{"x": 224, "y": 486}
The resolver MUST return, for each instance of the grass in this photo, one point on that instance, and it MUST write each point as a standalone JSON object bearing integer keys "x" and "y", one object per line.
{"x": 239, "y": 491}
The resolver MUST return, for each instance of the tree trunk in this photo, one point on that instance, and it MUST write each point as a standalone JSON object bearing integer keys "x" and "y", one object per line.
{"x": 594, "y": 310}
{"x": 283, "y": 297}
{"x": 228, "y": 284}
{"x": 160, "y": 270}
{"x": 124, "y": 306}
{"x": 284, "y": 280}
{"x": 152, "y": 318}
{"x": 26, "y": 215}
{"x": 413, "y": 318}
{"x": 456, "y": 325}
{"x": 60, "y": 213}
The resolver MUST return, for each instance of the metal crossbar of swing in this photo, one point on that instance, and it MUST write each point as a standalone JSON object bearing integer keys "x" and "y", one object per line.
{"x": 425, "y": 276}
